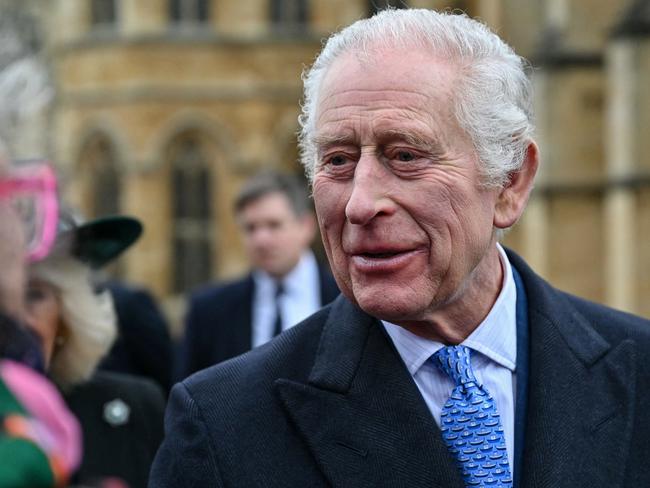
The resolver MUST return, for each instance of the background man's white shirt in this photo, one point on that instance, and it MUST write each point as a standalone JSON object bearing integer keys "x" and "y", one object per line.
{"x": 300, "y": 299}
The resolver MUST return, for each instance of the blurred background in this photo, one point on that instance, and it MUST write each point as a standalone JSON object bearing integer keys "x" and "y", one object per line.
{"x": 162, "y": 108}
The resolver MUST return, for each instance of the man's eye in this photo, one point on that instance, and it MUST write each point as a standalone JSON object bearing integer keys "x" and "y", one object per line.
{"x": 405, "y": 156}
{"x": 337, "y": 160}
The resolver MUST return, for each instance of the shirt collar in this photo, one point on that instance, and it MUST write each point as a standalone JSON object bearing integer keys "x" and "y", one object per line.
{"x": 293, "y": 282}
{"x": 495, "y": 337}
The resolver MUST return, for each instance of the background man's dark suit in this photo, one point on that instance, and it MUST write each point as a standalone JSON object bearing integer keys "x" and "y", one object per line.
{"x": 219, "y": 322}
{"x": 331, "y": 403}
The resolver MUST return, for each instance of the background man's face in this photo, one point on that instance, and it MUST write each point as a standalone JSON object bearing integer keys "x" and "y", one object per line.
{"x": 405, "y": 222}
{"x": 274, "y": 236}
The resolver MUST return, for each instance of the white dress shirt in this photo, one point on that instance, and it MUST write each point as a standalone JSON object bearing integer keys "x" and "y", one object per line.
{"x": 300, "y": 299}
{"x": 494, "y": 357}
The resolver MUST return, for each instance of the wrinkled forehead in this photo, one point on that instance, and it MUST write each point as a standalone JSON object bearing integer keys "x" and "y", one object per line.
{"x": 398, "y": 68}
{"x": 394, "y": 88}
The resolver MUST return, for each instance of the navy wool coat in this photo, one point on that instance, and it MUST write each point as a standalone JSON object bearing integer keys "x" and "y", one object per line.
{"x": 330, "y": 403}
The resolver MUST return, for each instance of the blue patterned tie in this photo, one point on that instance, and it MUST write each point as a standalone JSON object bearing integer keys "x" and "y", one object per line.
{"x": 470, "y": 424}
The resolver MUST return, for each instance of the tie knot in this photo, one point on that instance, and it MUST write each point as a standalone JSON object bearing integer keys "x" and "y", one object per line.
{"x": 454, "y": 361}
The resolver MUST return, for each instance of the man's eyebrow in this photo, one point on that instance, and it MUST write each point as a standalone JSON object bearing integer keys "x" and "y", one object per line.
{"x": 412, "y": 138}
{"x": 409, "y": 137}
{"x": 325, "y": 140}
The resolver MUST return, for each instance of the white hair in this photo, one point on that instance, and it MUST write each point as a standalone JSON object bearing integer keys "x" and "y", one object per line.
{"x": 88, "y": 317}
{"x": 492, "y": 101}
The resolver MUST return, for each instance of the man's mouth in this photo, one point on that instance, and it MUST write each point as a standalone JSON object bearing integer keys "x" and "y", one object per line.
{"x": 383, "y": 261}
{"x": 381, "y": 255}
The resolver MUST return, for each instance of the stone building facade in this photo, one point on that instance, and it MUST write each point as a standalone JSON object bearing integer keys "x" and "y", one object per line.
{"x": 164, "y": 107}
{"x": 586, "y": 228}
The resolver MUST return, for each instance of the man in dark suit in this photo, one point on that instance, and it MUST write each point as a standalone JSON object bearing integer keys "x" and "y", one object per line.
{"x": 277, "y": 227}
{"x": 446, "y": 362}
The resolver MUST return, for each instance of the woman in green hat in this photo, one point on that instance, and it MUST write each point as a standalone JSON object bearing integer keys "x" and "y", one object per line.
{"x": 121, "y": 415}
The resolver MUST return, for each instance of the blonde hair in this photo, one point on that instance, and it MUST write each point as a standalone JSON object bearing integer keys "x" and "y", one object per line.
{"x": 89, "y": 319}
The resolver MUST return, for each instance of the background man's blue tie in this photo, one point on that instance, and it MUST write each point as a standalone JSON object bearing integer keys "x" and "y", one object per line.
{"x": 470, "y": 424}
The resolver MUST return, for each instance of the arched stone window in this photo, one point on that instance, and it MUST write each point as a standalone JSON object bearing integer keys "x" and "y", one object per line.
{"x": 103, "y": 13}
{"x": 289, "y": 15}
{"x": 101, "y": 179}
{"x": 101, "y": 184}
{"x": 192, "y": 226}
{"x": 189, "y": 11}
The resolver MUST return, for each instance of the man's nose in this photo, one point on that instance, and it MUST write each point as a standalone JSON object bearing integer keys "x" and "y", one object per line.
{"x": 260, "y": 237}
{"x": 369, "y": 198}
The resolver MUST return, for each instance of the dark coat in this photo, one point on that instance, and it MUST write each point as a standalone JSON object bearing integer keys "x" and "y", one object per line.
{"x": 330, "y": 403}
{"x": 219, "y": 323}
{"x": 126, "y": 448}
{"x": 143, "y": 346}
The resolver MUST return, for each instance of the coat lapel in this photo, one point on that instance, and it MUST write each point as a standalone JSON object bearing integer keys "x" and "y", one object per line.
{"x": 361, "y": 415}
{"x": 581, "y": 395}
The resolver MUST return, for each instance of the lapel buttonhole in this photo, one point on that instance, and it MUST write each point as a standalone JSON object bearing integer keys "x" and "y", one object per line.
{"x": 359, "y": 451}
{"x": 604, "y": 420}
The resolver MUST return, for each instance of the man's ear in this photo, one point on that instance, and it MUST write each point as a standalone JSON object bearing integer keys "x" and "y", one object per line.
{"x": 514, "y": 195}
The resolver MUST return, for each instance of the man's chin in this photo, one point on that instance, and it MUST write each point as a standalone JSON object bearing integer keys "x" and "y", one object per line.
{"x": 391, "y": 309}
{"x": 276, "y": 270}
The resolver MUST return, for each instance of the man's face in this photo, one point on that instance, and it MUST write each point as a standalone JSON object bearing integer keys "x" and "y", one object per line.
{"x": 274, "y": 236}
{"x": 405, "y": 222}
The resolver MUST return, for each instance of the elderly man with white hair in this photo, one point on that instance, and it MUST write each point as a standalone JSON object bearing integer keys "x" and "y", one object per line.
{"x": 446, "y": 362}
